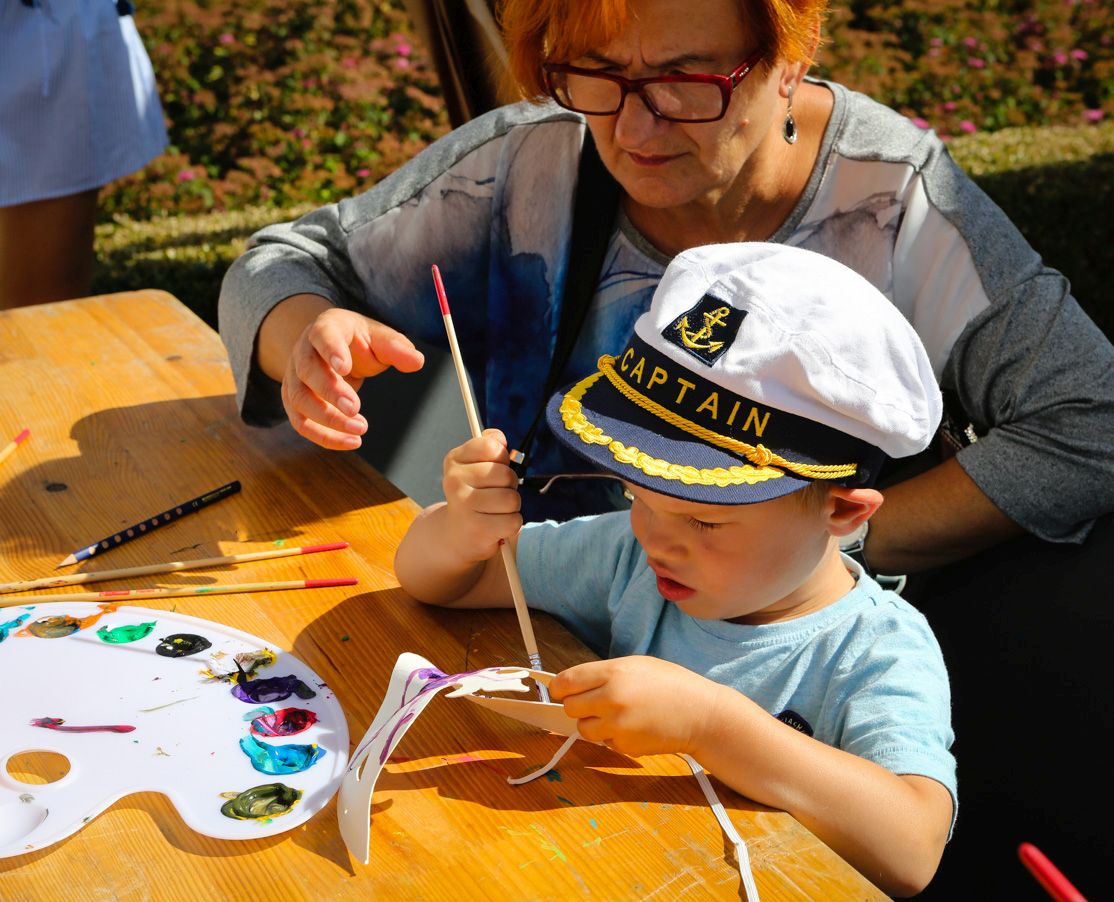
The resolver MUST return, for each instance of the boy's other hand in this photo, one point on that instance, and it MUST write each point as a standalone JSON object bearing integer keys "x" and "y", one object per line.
{"x": 481, "y": 494}
{"x": 637, "y": 705}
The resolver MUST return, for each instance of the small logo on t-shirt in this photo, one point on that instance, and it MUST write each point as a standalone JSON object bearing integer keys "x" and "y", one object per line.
{"x": 795, "y": 720}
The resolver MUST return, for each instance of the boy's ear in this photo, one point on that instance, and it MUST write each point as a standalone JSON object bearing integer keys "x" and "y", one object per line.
{"x": 848, "y": 508}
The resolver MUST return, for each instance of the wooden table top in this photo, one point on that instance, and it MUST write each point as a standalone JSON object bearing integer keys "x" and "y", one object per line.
{"x": 129, "y": 401}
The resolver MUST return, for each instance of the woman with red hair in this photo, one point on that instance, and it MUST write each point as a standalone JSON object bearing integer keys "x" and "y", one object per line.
{"x": 652, "y": 126}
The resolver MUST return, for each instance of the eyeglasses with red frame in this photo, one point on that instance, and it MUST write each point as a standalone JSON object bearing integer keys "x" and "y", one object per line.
{"x": 675, "y": 98}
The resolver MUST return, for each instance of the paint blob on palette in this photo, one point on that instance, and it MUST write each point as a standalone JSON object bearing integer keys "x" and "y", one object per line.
{"x": 243, "y": 738}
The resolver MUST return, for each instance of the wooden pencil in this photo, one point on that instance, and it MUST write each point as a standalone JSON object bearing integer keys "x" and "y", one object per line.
{"x": 151, "y": 523}
{"x": 472, "y": 413}
{"x": 8, "y": 601}
{"x": 9, "y": 448}
{"x": 53, "y": 582}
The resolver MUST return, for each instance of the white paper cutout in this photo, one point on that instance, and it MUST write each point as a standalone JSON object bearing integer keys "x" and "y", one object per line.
{"x": 415, "y": 682}
{"x": 549, "y": 765}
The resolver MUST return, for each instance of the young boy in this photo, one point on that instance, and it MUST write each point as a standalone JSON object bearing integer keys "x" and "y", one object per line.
{"x": 748, "y": 417}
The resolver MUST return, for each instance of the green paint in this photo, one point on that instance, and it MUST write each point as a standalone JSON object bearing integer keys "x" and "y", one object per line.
{"x": 344, "y": 638}
{"x": 120, "y": 635}
{"x": 279, "y": 543}
{"x": 549, "y": 845}
{"x": 261, "y": 802}
{"x": 566, "y": 801}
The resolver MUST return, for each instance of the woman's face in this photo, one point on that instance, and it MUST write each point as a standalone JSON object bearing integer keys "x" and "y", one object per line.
{"x": 669, "y": 164}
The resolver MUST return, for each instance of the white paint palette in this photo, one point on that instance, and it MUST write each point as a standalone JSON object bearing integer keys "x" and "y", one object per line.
{"x": 99, "y": 672}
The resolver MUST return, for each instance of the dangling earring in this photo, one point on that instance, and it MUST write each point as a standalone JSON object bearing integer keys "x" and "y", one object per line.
{"x": 789, "y": 129}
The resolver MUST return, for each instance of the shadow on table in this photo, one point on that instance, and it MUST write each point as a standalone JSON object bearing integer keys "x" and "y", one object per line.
{"x": 129, "y": 463}
{"x": 457, "y": 749}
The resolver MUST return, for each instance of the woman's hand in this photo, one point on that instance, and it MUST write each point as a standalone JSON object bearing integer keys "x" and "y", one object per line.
{"x": 326, "y": 367}
{"x": 637, "y": 705}
{"x": 481, "y": 494}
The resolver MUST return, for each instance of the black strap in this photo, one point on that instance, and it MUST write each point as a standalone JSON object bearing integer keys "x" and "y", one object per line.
{"x": 597, "y": 199}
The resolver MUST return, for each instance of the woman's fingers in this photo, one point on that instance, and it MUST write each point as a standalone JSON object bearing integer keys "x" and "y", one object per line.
{"x": 389, "y": 347}
{"x": 318, "y": 421}
{"x": 326, "y": 368}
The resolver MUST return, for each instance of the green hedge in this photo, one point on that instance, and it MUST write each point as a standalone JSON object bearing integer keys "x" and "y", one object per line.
{"x": 1056, "y": 183}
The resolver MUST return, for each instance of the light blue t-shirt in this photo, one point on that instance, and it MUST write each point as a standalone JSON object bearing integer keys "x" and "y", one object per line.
{"x": 864, "y": 674}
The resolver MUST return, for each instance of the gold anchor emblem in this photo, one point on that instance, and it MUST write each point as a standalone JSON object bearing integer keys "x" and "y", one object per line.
{"x": 711, "y": 321}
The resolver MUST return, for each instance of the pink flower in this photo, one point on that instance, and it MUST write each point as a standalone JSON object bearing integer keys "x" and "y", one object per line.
{"x": 1060, "y": 57}
{"x": 297, "y": 132}
{"x": 971, "y": 42}
{"x": 307, "y": 143}
{"x": 1079, "y": 55}
{"x": 936, "y": 42}
{"x": 403, "y": 49}
{"x": 363, "y": 173}
{"x": 950, "y": 105}
{"x": 1093, "y": 115}
{"x": 401, "y": 62}
{"x": 966, "y": 125}
{"x": 226, "y": 39}
{"x": 349, "y": 62}
{"x": 976, "y": 63}
{"x": 920, "y": 123}
{"x": 187, "y": 175}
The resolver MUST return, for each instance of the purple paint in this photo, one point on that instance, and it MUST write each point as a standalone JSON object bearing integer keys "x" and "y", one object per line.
{"x": 271, "y": 689}
{"x": 403, "y": 721}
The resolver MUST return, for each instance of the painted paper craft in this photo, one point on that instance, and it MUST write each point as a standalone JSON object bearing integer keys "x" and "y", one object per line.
{"x": 244, "y": 739}
{"x": 414, "y": 683}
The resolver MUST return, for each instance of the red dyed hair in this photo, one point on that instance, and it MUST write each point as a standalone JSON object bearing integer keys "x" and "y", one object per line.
{"x": 542, "y": 31}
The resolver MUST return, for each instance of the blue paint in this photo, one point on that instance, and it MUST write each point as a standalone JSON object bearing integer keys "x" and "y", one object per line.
{"x": 251, "y": 715}
{"x": 280, "y": 759}
{"x": 593, "y": 823}
{"x": 5, "y": 628}
{"x": 566, "y": 801}
{"x": 553, "y": 776}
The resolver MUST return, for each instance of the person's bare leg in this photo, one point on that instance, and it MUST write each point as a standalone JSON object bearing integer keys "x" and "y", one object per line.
{"x": 46, "y": 250}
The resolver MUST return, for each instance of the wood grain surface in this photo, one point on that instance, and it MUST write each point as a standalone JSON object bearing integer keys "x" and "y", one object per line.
{"x": 129, "y": 401}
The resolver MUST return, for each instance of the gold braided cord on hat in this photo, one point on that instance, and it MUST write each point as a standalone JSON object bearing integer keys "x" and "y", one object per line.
{"x": 575, "y": 421}
{"x": 761, "y": 456}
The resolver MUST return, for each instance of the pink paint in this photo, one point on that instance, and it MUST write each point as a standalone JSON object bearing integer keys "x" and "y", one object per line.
{"x": 439, "y": 285}
{"x": 55, "y": 723}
